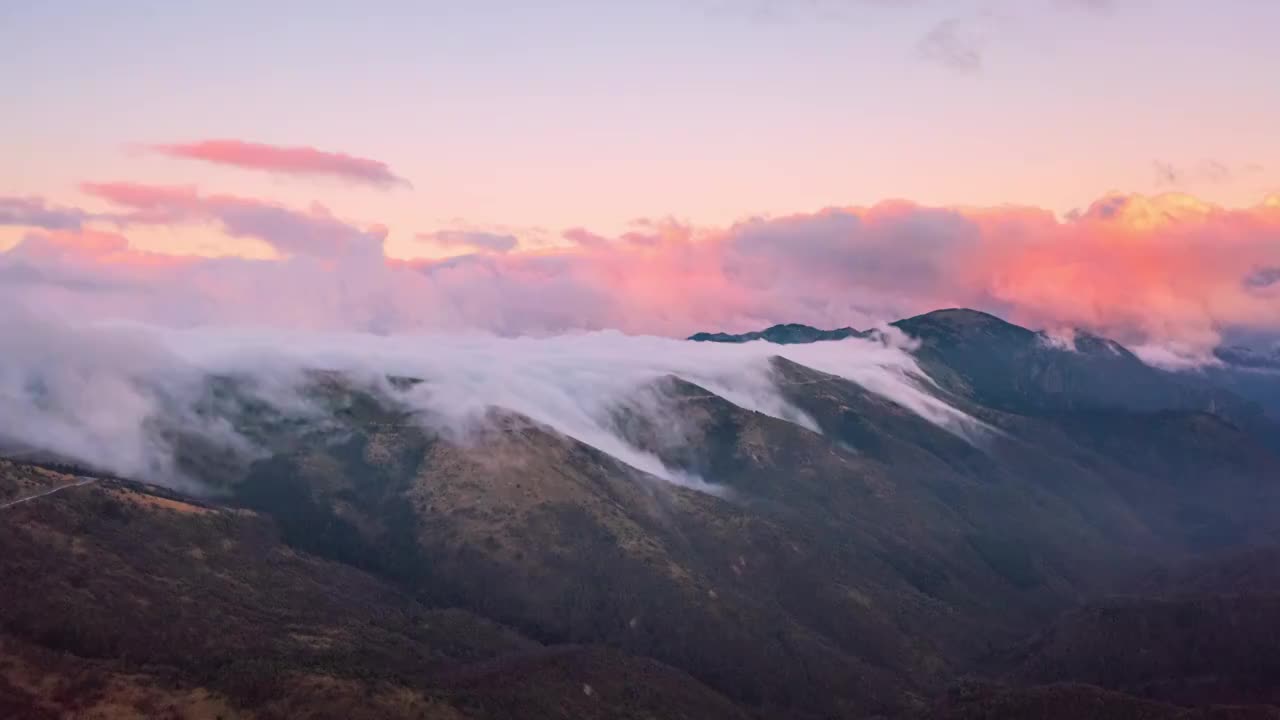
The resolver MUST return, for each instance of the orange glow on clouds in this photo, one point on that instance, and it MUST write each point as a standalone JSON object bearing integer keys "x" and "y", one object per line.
{"x": 1169, "y": 269}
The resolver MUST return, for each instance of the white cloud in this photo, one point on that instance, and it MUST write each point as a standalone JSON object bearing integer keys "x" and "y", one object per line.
{"x": 102, "y": 394}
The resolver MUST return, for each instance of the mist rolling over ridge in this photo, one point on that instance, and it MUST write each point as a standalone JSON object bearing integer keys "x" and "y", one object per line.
{"x": 102, "y": 394}
{"x": 669, "y": 360}
{"x": 890, "y": 500}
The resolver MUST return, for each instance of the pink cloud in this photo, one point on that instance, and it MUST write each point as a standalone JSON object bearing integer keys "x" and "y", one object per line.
{"x": 315, "y": 232}
{"x": 288, "y": 160}
{"x": 583, "y": 237}
{"x": 1141, "y": 269}
{"x": 36, "y": 212}
{"x": 1168, "y": 267}
{"x": 93, "y": 243}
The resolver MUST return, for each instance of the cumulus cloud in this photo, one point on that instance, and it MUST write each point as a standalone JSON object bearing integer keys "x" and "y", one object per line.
{"x": 315, "y": 232}
{"x": 584, "y": 237}
{"x": 286, "y": 160}
{"x": 471, "y": 240}
{"x": 1167, "y": 275}
{"x": 36, "y": 212}
{"x": 1139, "y": 269}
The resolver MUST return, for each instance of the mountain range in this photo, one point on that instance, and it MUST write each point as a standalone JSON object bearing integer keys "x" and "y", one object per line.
{"x": 1056, "y": 530}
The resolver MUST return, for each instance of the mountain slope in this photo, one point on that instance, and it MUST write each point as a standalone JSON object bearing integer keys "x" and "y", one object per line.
{"x": 116, "y": 597}
{"x": 875, "y": 557}
{"x": 847, "y": 556}
{"x": 1002, "y": 365}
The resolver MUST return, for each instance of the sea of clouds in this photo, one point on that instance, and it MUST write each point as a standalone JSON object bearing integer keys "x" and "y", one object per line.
{"x": 98, "y": 393}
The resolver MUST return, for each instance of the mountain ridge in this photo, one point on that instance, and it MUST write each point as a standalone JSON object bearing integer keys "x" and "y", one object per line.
{"x": 970, "y": 351}
{"x": 849, "y": 557}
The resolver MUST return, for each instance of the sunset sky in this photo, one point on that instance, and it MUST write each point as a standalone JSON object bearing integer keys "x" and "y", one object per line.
{"x": 620, "y": 153}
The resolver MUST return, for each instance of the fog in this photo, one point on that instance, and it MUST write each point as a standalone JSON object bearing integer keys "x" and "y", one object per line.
{"x": 100, "y": 394}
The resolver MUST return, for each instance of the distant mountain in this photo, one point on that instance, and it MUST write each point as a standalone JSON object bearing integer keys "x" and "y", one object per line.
{"x": 999, "y": 364}
{"x": 1247, "y": 357}
{"x": 860, "y": 561}
{"x": 789, "y": 334}
{"x": 1249, "y": 372}
{"x": 951, "y": 321}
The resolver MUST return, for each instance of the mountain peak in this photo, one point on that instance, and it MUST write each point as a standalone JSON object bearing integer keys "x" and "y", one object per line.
{"x": 1249, "y": 357}
{"x": 949, "y": 322}
{"x": 782, "y": 334}
{"x": 959, "y": 320}
{"x": 958, "y": 315}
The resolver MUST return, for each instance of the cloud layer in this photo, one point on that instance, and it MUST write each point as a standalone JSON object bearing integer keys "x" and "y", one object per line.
{"x": 35, "y": 212}
{"x": 119, "y": 397}
{"x": 1168, "y": 273}
{"x": 1165, "y": 269}
{"x": 289, "y": 232}
{"x": 286, "y": 160}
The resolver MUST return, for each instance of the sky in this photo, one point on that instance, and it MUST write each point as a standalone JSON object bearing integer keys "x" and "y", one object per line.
{"x": 664, "y": 167}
